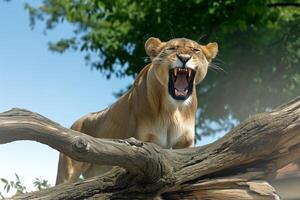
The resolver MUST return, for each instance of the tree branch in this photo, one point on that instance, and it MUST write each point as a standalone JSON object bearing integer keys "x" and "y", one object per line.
{"x": 235, "y": 166}
{"x": 131, "y": 154}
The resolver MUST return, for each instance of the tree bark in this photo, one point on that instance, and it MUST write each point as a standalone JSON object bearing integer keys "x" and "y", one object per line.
{"x": 236, "y": 166}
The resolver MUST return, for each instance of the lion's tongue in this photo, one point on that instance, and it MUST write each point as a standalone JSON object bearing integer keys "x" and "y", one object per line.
{"x": 181, "y": 83}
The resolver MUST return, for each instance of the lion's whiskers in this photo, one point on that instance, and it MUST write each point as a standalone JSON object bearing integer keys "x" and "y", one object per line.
{"x": 214, "y": 67}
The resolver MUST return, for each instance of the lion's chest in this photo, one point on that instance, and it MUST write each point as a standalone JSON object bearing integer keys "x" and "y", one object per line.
{"x": 166, "y": 131}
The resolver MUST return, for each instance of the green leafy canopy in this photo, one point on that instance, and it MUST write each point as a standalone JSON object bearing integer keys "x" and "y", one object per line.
{"x": 259, "y": 45}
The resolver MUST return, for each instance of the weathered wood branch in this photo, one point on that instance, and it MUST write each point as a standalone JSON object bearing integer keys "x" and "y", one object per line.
{"x": 234, "y": 167}
{"x": 19, "y": 124}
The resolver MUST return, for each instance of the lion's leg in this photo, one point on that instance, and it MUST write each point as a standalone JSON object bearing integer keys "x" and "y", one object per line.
{"x": 96, "y": 170}
{"x": 186, "y": 140}
{"x": 69, "y": 170}
{"x": 150, "y": 138}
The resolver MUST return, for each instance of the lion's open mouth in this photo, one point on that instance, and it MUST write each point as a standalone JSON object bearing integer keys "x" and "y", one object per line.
{"x": 181, "y": 82}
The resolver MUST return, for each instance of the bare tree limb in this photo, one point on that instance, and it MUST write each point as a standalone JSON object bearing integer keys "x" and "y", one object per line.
{"x": 20, "y": 124}
{"x": 234, "y": 167}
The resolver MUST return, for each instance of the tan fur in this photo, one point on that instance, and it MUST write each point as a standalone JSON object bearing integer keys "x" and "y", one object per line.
{"x": 147, "y": 111}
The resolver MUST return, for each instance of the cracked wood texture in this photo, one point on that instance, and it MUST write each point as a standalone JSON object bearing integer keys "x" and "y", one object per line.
{"x": 237, "y": 166}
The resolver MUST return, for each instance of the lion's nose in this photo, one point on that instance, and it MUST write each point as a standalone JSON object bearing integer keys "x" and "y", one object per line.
{"x": 184, "y": 58}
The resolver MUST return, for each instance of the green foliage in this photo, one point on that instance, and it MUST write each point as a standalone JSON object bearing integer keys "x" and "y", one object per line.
{"x": 259, "y": 45}
{"x": 14, "y": 185}
{"x": 41, "y": 184}
{"x": 19, "y": 187}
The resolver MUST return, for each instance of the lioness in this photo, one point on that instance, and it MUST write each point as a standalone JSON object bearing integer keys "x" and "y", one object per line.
{"x": 159, "y": 108}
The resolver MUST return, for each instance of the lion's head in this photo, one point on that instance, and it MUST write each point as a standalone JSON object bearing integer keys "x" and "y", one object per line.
{"x": 180, "y": 64}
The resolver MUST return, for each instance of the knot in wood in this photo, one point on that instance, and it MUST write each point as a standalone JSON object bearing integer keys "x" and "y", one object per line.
{"x": 80, "y": 144}
{"x": 134, "y": 142}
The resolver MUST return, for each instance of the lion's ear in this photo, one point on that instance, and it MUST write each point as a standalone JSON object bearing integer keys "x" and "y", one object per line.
{"x": 210, "y": 51}
{"x": 153, "y": 47}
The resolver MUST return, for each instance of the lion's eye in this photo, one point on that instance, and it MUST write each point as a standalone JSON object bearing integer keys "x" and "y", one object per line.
{"x": 196, "y": 50}
{"x": 171, "y": 48}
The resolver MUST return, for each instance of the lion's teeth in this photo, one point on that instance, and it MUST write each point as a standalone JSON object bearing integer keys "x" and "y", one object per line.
{"x": 190, "y": 72}
{"x": 175, "y": 71}
{"x": 178, "y": 93}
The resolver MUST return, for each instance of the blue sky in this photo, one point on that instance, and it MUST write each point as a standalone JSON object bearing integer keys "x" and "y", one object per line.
{"x": 60, "y": 87}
